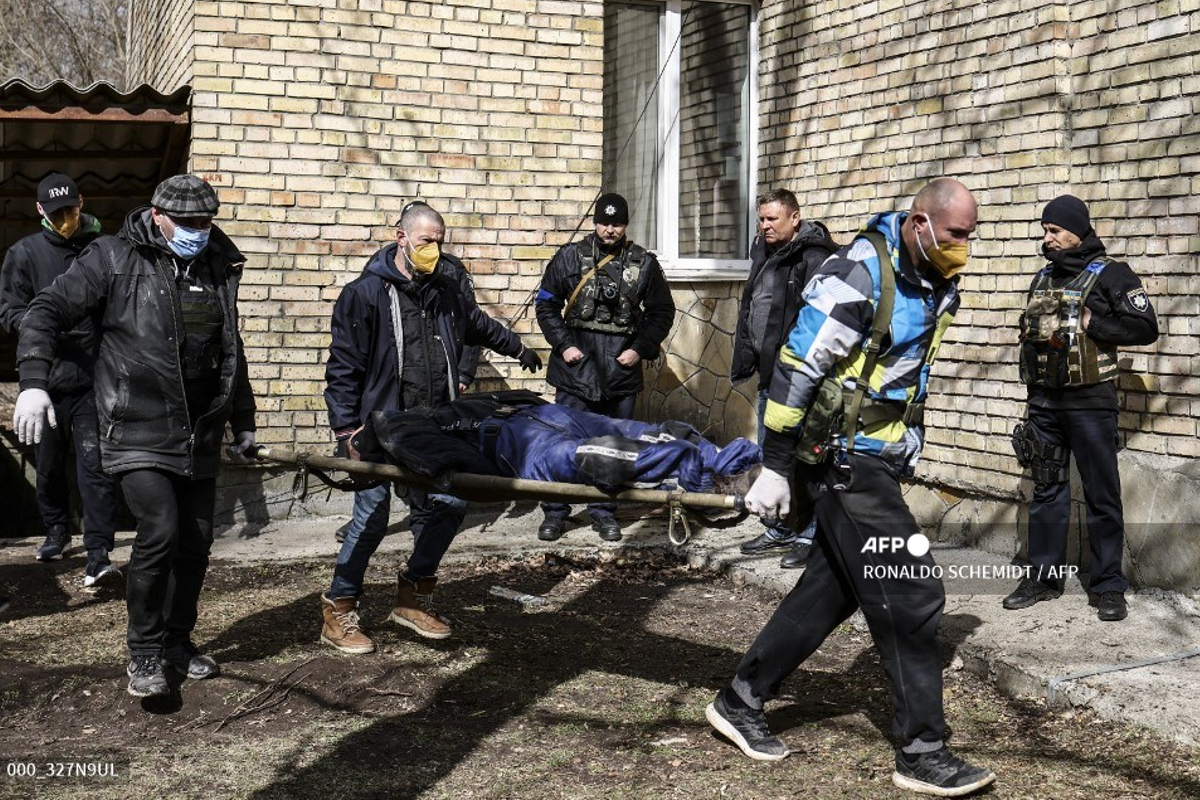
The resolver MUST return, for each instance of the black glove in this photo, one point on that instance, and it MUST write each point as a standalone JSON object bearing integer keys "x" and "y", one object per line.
{"x": 529, "y": 359}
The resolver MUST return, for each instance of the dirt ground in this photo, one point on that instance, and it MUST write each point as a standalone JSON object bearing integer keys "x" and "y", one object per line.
{"x": 601, "y": 694}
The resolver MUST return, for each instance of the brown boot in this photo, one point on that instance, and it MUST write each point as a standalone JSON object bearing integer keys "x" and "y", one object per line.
{"x": 341, "y": 626}
{"x": 414, "y": 608}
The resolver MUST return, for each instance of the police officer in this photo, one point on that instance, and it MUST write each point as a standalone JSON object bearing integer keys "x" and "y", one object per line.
{"x": 604, "y": 307}
{"x": 1082, "y": 306}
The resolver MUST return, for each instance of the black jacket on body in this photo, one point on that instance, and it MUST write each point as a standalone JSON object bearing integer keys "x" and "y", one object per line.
{"x": 128, "y": 282}
{"x": 31, "y": 265}
{"x": 439, "y": 321}
{"x": 1122, "y": 315}
{"x": 789, "y": 268}
{"x": 598, "y": 376}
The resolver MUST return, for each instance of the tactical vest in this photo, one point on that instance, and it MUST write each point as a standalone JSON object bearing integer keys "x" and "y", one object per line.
{"x": 202, "y": 326}
{"x": 1055, "y": 351}
{"x": 608, "y": 299}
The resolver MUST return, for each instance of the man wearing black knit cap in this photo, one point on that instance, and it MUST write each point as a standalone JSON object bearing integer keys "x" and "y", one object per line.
{"x": 604, "y": 307}
{"x": 1081, "y": 307}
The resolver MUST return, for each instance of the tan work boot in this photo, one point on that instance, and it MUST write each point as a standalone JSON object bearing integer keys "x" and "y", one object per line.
{"x": 341, "y": 626}
{"x": 414, "y": 608}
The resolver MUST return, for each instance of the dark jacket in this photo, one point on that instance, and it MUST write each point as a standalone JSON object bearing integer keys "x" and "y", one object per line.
{"x": 1122, "y": 315}
{"x": 789, "y": 268}
{"x": 598, "y": 376}
{"x": 31, "y": 265}
{"x": 128, "y": 282}
{"x": 364, "y": 367}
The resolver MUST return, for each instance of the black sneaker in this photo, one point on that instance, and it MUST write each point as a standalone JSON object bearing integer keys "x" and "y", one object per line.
{"x": 763, "y": 543}
{"x": 57, "y": 539}
{"x": 146, "y": 676}
{"x": 100, "y": 572}
{"x": 608, "y": 528}
{"x": 1028, "y": 592}
{"x": 747, "y": 728}
{"x": 552, "y": 529}
{"x": 1111, "y": 605}
{"x": 340, "y": 533}
{"x": 797, "y": 557}
{"x": 186, "y": 659}
{"x": 939, "y": 773}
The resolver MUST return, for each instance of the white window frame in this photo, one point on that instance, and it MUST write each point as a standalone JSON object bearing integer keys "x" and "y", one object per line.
{"x": 697, "y": 269}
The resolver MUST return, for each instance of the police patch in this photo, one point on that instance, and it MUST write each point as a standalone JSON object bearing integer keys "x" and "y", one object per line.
{"x": 1137, "y": 299}
{"x": 610, "y": 210}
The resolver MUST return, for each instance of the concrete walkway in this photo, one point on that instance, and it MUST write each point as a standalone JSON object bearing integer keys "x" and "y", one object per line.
{"x": 1056, "y": 648}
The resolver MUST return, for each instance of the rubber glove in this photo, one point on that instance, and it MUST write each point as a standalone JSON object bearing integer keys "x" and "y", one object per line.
{"x": 33, "y": 407}
{"x": 770, "y": 497}
{"x": 242, "y": 442}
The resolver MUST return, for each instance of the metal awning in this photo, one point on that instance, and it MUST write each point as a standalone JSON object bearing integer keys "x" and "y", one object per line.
{"x": 116, "y": 145}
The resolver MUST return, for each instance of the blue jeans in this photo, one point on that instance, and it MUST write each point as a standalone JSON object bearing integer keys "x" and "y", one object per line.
{"x": 433, "y": 518}
{"x": 779, "y": 531}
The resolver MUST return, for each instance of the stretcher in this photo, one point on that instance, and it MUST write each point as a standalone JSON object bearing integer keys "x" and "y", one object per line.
{"x": 496, "y": 489}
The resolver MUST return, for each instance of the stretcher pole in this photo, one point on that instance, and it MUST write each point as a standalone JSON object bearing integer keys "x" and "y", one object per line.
{"x": 493, "y": 488}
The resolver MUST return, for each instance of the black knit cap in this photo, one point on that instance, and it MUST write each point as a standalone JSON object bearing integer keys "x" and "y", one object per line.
{"x": 1069, "y": 213}
{"x": 611, "y": 209}
{"x": 186, "y": 196}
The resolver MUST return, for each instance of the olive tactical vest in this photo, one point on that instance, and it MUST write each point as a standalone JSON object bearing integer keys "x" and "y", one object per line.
{"x": 608, "y": 300}
{"x": 1055, "y": 352}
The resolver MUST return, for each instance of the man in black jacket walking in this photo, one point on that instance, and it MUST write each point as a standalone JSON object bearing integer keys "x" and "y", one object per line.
{"x": 783, "y": 258}
{"x": 604, "y": 307}
{"x": 170, "y": 373}
{"x": 1082, "y": 306}
{"x": 31, "y": 265}
{"x": 399, "y": 331}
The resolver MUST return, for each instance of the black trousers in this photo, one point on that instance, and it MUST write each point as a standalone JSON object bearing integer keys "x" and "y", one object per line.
{"x": 618, "y": 408}
{"x": 855, "y": 564}
{"x": 170, "y": 555}
{"x": 1090, "y": 436}
{"x": 77, "y": 428}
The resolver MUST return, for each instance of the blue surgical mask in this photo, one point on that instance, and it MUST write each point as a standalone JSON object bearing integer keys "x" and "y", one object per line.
{"x": 188, "y": 242}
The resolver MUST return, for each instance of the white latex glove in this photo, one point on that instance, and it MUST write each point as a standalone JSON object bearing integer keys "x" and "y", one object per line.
{"x": 770, "y": 497}
{"x": 33, "y": 406}
{"x": 241, "y": 443}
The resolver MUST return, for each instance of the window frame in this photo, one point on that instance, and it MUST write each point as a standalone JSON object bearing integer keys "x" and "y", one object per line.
{"x": 674, "y": 266}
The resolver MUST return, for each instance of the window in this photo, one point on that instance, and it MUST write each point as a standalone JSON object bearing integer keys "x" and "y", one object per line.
{"x": 679, "y": 130}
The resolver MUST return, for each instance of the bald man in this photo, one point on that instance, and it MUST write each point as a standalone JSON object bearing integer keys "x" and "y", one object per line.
{"x": 859, "y": 508}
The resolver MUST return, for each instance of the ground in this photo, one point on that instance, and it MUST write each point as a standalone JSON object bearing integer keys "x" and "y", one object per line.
{"x": 600, "y": 694}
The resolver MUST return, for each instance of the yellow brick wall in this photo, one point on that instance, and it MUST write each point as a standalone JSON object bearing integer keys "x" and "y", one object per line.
{"x": 862, "y": 102}
{"x": 317, "y": 122}
{"x": 159, "y": 44}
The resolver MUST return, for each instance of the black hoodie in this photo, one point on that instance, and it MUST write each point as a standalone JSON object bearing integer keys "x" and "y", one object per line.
{"x": 31, "y": 265}
{"x": 1122, "y": 315}
{"x": 789, "y": 267}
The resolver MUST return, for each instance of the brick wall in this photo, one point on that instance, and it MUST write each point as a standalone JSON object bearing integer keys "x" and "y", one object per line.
{"x": 318, "y": 121}
{"x": 159, "y": 44}
{"x": 862, "y": 102}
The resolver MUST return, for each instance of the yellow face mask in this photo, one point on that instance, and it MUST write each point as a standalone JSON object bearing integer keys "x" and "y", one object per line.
{"x": 946, "y": 259}
{"x": 424, "y": 258}
{"x": 64, "y": 222}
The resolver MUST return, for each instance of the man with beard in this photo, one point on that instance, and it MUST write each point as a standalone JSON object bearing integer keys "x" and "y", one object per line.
{"x": 1082, "y": 306}
{"x": 604, "y": 307}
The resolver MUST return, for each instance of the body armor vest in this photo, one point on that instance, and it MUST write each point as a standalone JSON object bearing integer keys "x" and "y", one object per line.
{"x": 202, "y": 326}
{"x": 608, "y": 300}
{"x": 1055, "y": 352}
